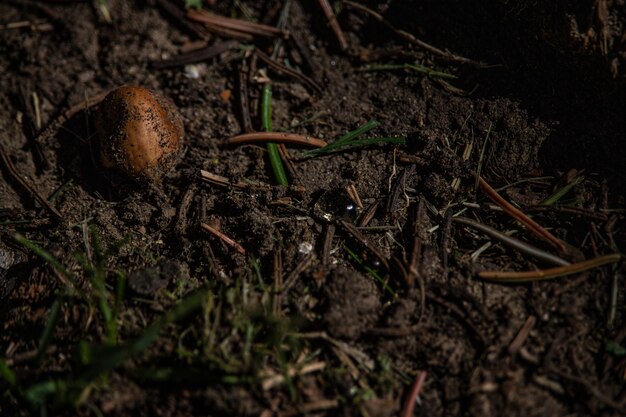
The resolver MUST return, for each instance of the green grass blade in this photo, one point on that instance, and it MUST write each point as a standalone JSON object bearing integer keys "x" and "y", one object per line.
{"x": 48, "y": 331}
{"x": 104, "y": 359}
{"x": 272, "y": 148}
{"x": 355, "y": 133}
{"x": 44, "y": 255}
{"x": 7, "y": 374}
{"x": 360, "y": 143}
{"x": 558, "y": 194}
{"x": 371, "y": 271}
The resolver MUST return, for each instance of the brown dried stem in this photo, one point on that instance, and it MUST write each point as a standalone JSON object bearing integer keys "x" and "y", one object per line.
{"x": 551, "y": 273}
{"x": 410, "y": 38}
{"x": 521, "y": 217}
{"x": 15, "y": 175}
{"x": 276, "y": 137}
{"x": 234, "y": 26}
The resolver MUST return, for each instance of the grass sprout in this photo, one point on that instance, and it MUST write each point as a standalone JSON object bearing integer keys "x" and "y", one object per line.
{"x": 350, "y": 141}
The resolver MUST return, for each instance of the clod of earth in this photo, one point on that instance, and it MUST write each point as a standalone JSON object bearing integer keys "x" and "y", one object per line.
{"x": 139, "y": 133}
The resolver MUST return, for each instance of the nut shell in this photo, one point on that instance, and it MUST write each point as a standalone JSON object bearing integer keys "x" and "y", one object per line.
{"x": 139, "y": 133}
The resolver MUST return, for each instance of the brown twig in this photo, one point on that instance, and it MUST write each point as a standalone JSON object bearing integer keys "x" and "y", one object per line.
{"x": 409, "y": 403}
{"x": 410, "y": 38}
{"x": 368, "y": 214}
{"x": 220, "y": 180}
{"x": 543, "y": 274}
{"x": 354, "y": 195}
{"x": 278, "y": 282}
{"x": 178, "y": 14}
{"x": 291, "y": 169}
{"x": 365, "y": 242}
{"x": 282, "y": 69}
{"x": 230, "y": 242}
{"x": 521, "y": 217}
{"x": 276, "y": 137}
{"x": 334, "y": 24}
{"x": 522, "y": 335}
{"x": 214, "y": 21}
{"x": 244, "y": 97}
{"x": 304, "y": 52}
{"x": 198, "y": 55}
{"x": 69, "y": 113}
{"x": 462, "y": 316}
{"x": 416, "y": 255}
{"x": 512, "y": 242}
{"x": 576, "y": 211}
{"x": 15, "y": 175}
{"x": 329, "y": 234}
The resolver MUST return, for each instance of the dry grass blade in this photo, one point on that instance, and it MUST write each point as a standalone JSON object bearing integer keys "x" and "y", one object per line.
{"x": 282, "y": 69}
{"x": 334, "y": 25}
{"x": 543, "y": 274}
{"x": 230, "y": 242}
{"x": 238, "y": 26}
{"x": 416, "y": 388}
{"x": 197, "y": 55}
{"x": 276, "y": 137}
{"x": 410, "y": 38}
{"x": 521, "y": 217}
{"x": 512, "y": 242}
{"x": 15, "y": 175}
{"x": 220, "y": 180}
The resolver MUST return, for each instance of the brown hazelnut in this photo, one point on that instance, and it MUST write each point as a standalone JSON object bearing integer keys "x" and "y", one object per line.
{"x": 139, "y": 133}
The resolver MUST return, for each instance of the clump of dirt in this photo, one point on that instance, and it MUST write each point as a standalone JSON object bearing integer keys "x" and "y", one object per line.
{"x": 353, "y": 304}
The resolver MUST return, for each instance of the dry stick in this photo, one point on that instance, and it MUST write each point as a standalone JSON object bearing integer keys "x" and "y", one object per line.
{"x": 368, "y": 214}
{"x": 276, "y": 137}
{"x": 69, "y": 113}
{"x": 242, "y": 26}
{"x": 334, "y": 25}
{"x": 410, "y": 38}
{"x": 278, "y": 379}
{"x": 521, "y": 217}
{"x": 409, "y": 403}
{"x": 522, "y": 335}
{"x": 220, "y": 180}
{"x": 512, "y": 242}
{"x": 416, "y": 254}
{"x": 543, "y": 274}
{"x": 593, "y": 390}
{"x": 304, "y": 52}
{"x": 197, "y": 55}
{"x": 244, "y": 98}
{"x": 354, "y": 195}
{"x": 15, "y": 175}
{"x": 282, "y": 69}
{"x": 293, "y": 275}
{"x": 329, "y": 234}
{"x": 576, "y": 211}
{"x": 462, "y": 316}
{"x": 365, "y": 242}
{"x": 230, "y": 242}
{"x": 178, "y": 14}
{"x": 278, "y": 282}
{"x": 284, "y": 155}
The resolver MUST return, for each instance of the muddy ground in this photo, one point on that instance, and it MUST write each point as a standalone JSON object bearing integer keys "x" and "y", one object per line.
{"x": 115, "y": 301}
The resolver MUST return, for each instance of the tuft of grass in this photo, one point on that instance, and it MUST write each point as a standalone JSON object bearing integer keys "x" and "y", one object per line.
{"x": 197, "y": 4}
{"x": 350, "y": 141}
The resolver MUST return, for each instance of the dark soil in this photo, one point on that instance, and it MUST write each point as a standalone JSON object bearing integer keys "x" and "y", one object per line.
{"x": 318, "y": 317}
